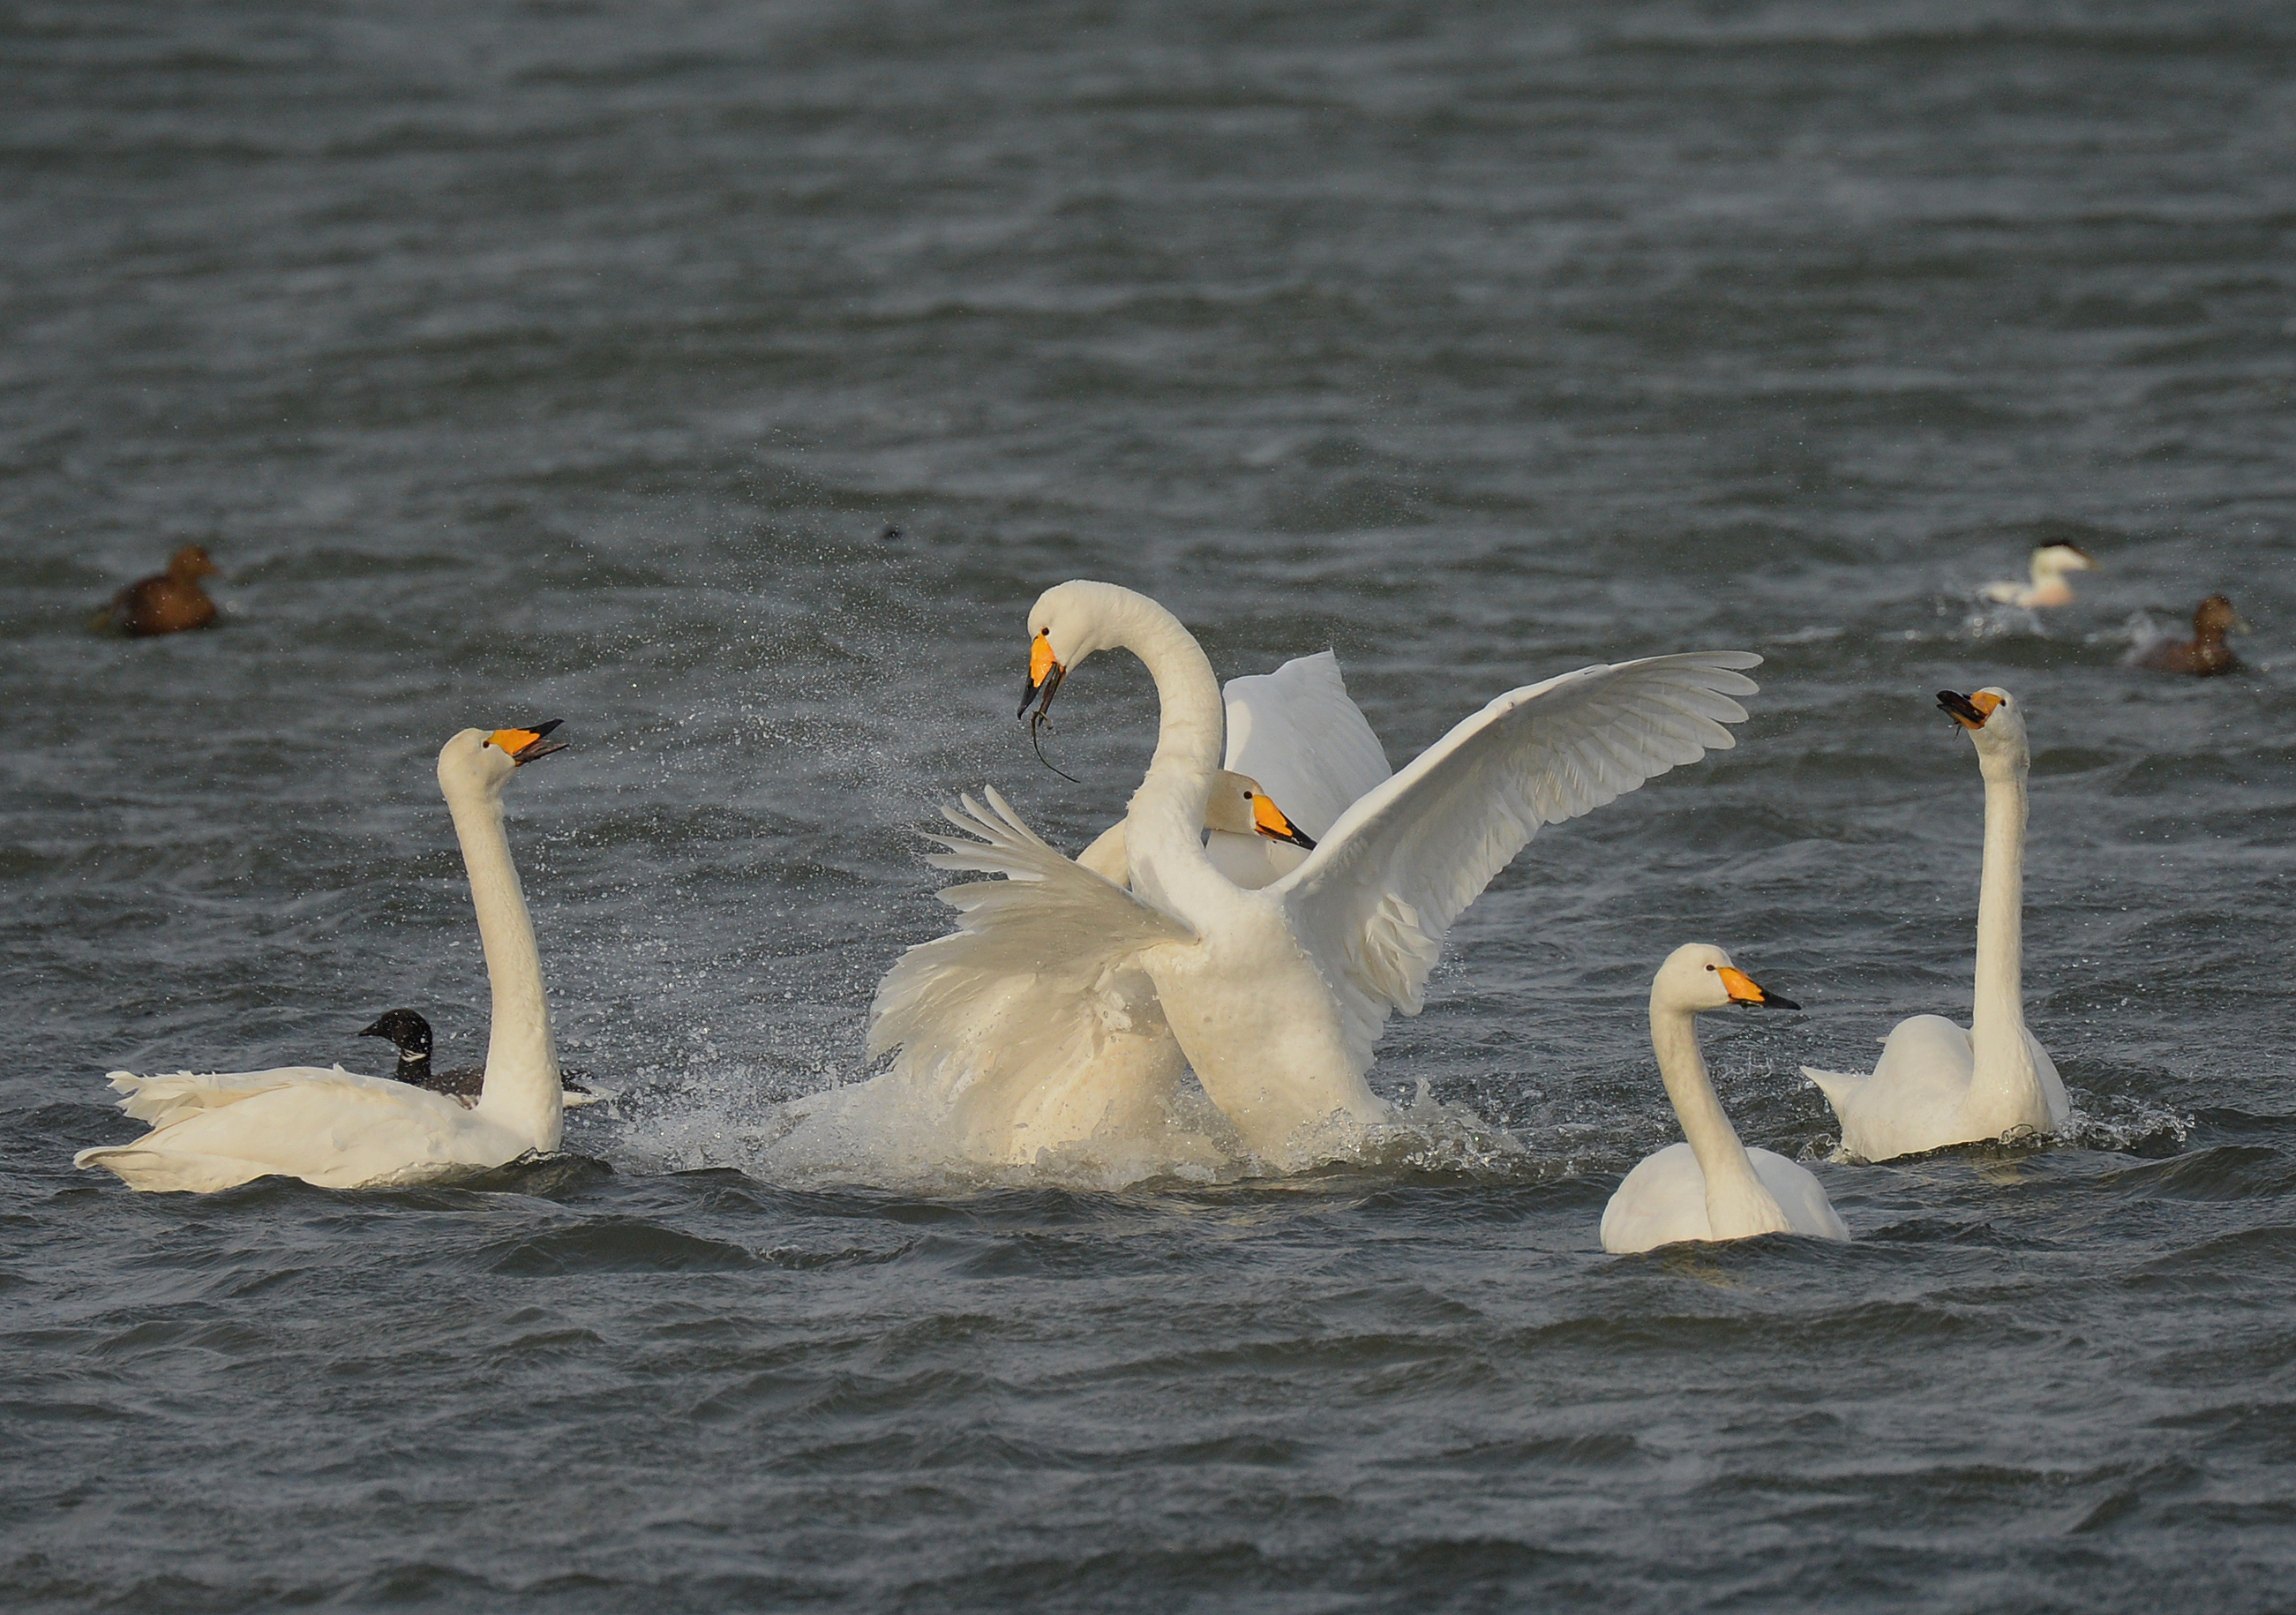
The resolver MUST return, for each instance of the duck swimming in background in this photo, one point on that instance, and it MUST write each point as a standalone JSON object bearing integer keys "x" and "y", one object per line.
{"x": 2048, "y": 587}
{"x": 1936, "y": 1084}
{"x": 2205, "y": 654}
{"x": 410, "y": 1034}
{"x": 167, "y": 603}
{"x": 1710, "y": 1187}
{"x": 340, "y": 1130}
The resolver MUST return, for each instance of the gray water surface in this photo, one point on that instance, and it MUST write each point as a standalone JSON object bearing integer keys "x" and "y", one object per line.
{"x": 551, "y": 360}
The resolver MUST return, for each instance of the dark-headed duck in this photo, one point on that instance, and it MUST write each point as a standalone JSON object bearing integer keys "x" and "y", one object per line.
{"x": 410, "y": 1034}
{"x": 2205, "y": 653}
{"x": 169, "y": 602}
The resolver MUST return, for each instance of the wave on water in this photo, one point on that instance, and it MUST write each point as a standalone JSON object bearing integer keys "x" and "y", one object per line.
{"x": 887, "y": 1132}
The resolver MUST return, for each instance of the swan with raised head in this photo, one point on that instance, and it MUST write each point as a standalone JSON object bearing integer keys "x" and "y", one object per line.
{"x": 2048, "y": 586}
{"x": 1710, "y": 1187}
{"x": 1938, "y": 1084}
{"x": 1275, "y": 995}
{"x": 339, "y": 1130}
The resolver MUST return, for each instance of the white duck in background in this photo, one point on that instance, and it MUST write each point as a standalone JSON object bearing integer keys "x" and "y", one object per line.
{"x": 1275, "y": 995}
{"x": 1712, "y": 1186}
{"x": 2048, "y": 587}
{"x": 1936, "y": 1084}
{"x": 343, "y": 1131}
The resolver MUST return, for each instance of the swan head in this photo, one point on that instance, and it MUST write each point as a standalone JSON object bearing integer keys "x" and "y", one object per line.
{"x": 1238, "y": 805}
{"x": 1994, "y": 721}
{"x": 484, "y": 759}
{"x": 2053, "y": 560}
{"x": 1068, "y": 622}
{"x": 1699, "y": 976}
{"x": 409, "y": 1034}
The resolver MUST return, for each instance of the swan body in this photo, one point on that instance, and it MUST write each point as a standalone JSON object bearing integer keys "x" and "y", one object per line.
{"x": 1937, "y": 1083}
{"x": 1276, "y": 995}
{"x": 2048, "y": 586}
{"x": 343, "y": 1131}
{"x": 1710, "y": 1187}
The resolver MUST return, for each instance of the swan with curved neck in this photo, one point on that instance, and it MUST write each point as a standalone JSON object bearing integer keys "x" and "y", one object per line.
{"x": 1936, "y": 1083}
{"x": 339, "y": 1130}
{"x": 1710, "y": 1187}
{"x": 1277, "y": 995}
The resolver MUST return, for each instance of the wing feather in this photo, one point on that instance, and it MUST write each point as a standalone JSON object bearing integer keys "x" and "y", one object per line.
{"x": 1377, "y": 897}
{"x": 1035, "y": 981}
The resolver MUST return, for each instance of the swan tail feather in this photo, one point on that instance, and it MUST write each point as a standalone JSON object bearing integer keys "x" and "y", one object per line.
{"x": 1838, "y": 1086}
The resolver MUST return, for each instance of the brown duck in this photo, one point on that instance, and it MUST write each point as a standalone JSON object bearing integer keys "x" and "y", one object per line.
{"x": 168, "y": 603}
{"x": 2204, "y": 654}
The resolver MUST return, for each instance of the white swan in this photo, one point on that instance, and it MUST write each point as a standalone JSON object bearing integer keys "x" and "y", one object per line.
{"x": 343, "y": 1131}
{"x": 1712, "y": 1186}
{"x": 1936, "y": 1084}
{"x": 1277, "y": 995}
{"x": 1297, "y": 730}
{"x": 2048, "y": 587}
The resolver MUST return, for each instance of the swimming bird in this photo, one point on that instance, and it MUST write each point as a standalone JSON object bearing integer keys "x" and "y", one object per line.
{"x": 1936, "y": 1084}
{"x": 2048, "y": 587}
{"x": 1710, "y": 1187}
{"x": 2206, "y": 654}
{"x": 167, "y": 603}
{"x": 340, "y": 1130}
{"x": 1275, "y": 995}
{"x": 410, "y": 1034}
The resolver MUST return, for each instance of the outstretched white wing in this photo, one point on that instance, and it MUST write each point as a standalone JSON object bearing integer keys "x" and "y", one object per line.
{"x": 1296, "y": 732}
{"x": 1377, "y": 895}
{"x": 1035, "y": 992}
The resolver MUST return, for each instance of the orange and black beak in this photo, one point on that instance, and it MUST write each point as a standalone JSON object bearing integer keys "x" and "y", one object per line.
{"x": 524, "y": 745}
{"x": 1045, "y": 676}
{"x": 1969, "y": 711}
{"x": 1269, "y": 819}
{"x": 1743, "y": 989}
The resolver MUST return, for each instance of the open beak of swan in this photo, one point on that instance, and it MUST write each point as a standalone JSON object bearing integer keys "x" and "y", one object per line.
{"x": 1969, "y": 711}
{"x": 1743, "y": 989}
{"x": 524, "y": 745}
{"x": 1045, "y": 676}
{"x": 1269, "y": 819}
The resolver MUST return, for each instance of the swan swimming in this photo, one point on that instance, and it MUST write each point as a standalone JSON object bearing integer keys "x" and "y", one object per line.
{"x": 1710, "y": 1187}
{"x": 1275, "y": 995}
{"x": 340, "y": 1130}
{"x": 2048, "y": 587}
{"x": 1936, "y": 1084}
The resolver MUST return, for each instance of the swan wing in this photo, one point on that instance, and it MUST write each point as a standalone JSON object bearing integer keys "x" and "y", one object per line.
{"x": 1375, "y": 898}
{"x": 1036, "y": 984}
{"x": 1297, "y": 732}
{"x": 161, "y": 1100}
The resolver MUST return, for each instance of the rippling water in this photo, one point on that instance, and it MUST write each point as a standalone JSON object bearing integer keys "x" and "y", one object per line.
{"x": 726, "y": 380}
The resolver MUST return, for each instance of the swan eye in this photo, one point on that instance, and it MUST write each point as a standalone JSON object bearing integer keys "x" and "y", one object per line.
{"x": 1710, "y": 967}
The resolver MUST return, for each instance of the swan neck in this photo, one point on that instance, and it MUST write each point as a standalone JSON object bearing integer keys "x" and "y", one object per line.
{"x": 2002, "y": 1062}
{"x": 522, "y": 1089}
{"x": 1735, "y": 1194}
{"x": 1164, "y": 832}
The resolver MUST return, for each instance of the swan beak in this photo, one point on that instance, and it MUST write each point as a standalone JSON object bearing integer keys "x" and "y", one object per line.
{"x": 524, "y": 745}
{"x": 1969, "y": 711}
{"x": 1269, "y": 819}
{"x": 1743, "y": 989}
{"x": 1045, "y": 676}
